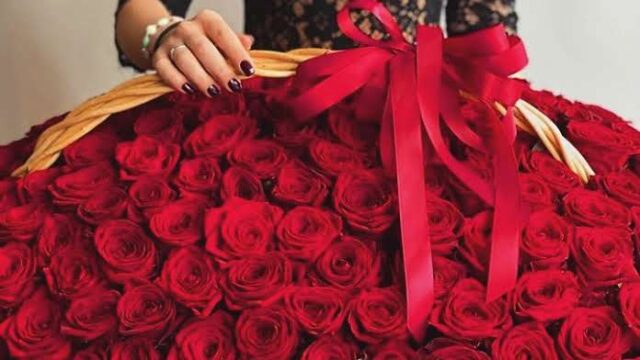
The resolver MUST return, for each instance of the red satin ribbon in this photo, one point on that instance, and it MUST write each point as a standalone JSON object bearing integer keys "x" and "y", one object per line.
{"x": 422, "y": 85}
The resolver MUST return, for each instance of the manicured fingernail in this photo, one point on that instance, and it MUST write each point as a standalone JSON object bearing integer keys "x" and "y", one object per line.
{"x": 247, "y": 68}
{"x": 235, "y": 85}
{"x": 188, "y": 88}
{"x": 213, "y": 90}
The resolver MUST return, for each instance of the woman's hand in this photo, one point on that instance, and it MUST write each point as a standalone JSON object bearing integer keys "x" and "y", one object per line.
{"x": 198, "y": 53}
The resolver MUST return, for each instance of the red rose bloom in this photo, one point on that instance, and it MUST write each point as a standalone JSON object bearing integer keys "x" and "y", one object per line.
{"x": 294, "y": 135}
{"x": 210, "y": 109}
{"x": 318, "y": 310}
{"x": 603, "y": 256}
{"x": 446, "y": 349}
{"x": 591, "y": 208}
{"x": 623, "y": 186}
{"x": 355, "y": 134}
{"x": 179, "y": 223}
{"x": 446, "y": 274}
{"x": 393, "y": 350}
{"x": 199, "y": 175}
{"x": 445, "y": 225}
{"x": 266, "y": 333}
{"x": 149, "y": 194}
{"x": 465, "y": 315}
{"x": 238, "y": 182}
{"x": 21, "y": 223}
{"x": 378, "y": 315}
{"x": 92, "y": 316}
{"x": 348, "y": 264}
{"x": 556, "y": 174}
{"x": 92, "y": 148}
{"x": 73, "y": 272}
{"x": 135, "y": 348}
{"x": 189, "y": 275}
{"x": 535, "y": 191}
{"x": 545, "y": 240}
{"x": 105, "y": 204}
{"x": 529, "y": 341}
{"x": 604, "y": 148}
{"x": 330, "y": 347}
{"x": 8, "y": 195}
{"x": 33, "y": 332}
{"x": 76, "y": 187}
{"x": 334, "y": 158}
{"x": 146, "y": 156}
{"x": 296, "y": 184}
{"x": 145, "y": 310}
{"x": 208, "y": 338}
{"x": 34, "y": 186}
{"x": 476, "y": 244}
{"x": 255, "y": 280}
{"x": 630, "y": 305}
{"x": 219, "y": 135}
{"x": 126, "y": 252}
{"x": 166, "y": 125}
{"x": 305, "y": 232}
{"x": 262, "y": 157}
{"x": 591, "y": 333}
{"x": 57, "y": 233}
{"x": 366, "y": 200}
{"x": 17, "y": 272}
{"x": 546, "y": 295}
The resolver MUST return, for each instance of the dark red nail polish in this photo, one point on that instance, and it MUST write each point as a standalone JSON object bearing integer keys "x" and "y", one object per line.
{"x": 188, "y": 88}
{"x": 235, "y": 85}
{"x": 213, "y": 90}
{"x": 247, "y": 68}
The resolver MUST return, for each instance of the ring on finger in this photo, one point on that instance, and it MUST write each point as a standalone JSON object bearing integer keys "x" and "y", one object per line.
{"x": 173, "y": 50}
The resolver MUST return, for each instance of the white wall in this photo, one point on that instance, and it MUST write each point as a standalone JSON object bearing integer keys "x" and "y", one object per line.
{"x": 54, "y": 54}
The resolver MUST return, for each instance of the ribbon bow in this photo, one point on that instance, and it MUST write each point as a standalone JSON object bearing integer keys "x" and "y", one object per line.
{"x": 422, "y": 84}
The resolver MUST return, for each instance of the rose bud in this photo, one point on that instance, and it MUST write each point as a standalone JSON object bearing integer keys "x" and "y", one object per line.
{"x": 348, "y": 264}
{"x": 545, "y": 240}
{"x": 318, "y": 310}
{"x": 219, "y": 135}
{"x": 33, "y": 332}
{"x": 34, "y": 187}
{"x": 241, "y": 227}
{"x": 555, "y": 173}
{"x": 72, "y": 273}
{"x": 92, "y": 316}
{"x": 208, "y": 338}
{"x": 189, "y": 275}
{"x": 135, "y": 348}
{"x": 266, "y": 333}
{"x": 378, "y": 315}
{"x": 333, "y": 158}
{"x": 592, "y": 333}
{"x": 392, "y": 350}
{"x": 238, "y": 182}
{"x": 21, "y": 223}
{"x": 126, "y": 252}
{"x": 529, "y": 340}
{"x": 166, "y": 125}
{"x": 591, "y": 208}
{"x": 105, "y": 204}
{"x": 179, "y": 223}
{"x": 367, "y": 201}
{"x": 296, "y": 184}
{"x": 57, "y": 233}
{"x": 445, "y": 225}
{"x": 623, "y": 186}
{"x": 17, "y": 269}
{"x": 92, "y": 148}
{"x": 262, "y": 157}
{"x": 149, "y": 195}
{"x": 146, "y": 156}
{"x": 305, "y": 232}
{"x": 76, "y": 187}
{"x": 256, "y": 280}
{"x": 465, "y": 314}
{"x": 546, "y": 295}
{"x": 330, "y": 347}
{"x": 199, "y": 175}
{"x": 145, "y": 310}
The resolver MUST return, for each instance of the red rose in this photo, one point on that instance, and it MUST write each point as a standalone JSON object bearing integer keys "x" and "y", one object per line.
{"x": 476, "y": 244}
{"x": 92, "y": 148}
{"x": 535, "y": 191}
{"x": 58, "y": 232}
{"x": 14, "y": 154}
{"x": 305, "y": 232}
{"x": 33, "y": 332}
{"x": 378, "y": 315}
{"x": 72, "y": 273}
{"x": 263, "y": 157}
{"x": 296, "y": 184}
{"x": 105, "y": 204}
{"x": 189, "y": 275}
{"x": 591, "y": 208}
{"x": 348, "y": 264}
{"x": 546, "y": 295}
{"x": 76, "y": 187}
{"x": 465, "y": 314}
{"x": 95, "y": 351}
{"x": 255, "y": 280}
{"x": 446, "y": 274}
{"x": 555, "y": 173}
{"x": 145, "y": 310}
{"x": 603, "y": 256}
{"x": 623, "y": 186}
{"x": 34, "y": 186}
{"x": 21, "y": 223}
{"x": 210, "y": 109}
{"x": 630, "y": 305}
{"x": 219, "y": 135}
{"x": 367, "y": 201}
{"x": 146, "y": 156}
{"x": 17, "y": 272}
{"x": 604, "y": 148}
{"x": 266, "y": 333}
{"x": 318, "y": 310}
{"x": 445, "y": 225}
{"x": 150, "y": 194}
{"x": 355, "y": 134}
{"x": 208, "y": 338}
{"x": 179, "y": 223}
{"x": 8, "y": 195}
{"x": 166, "y": 125}
{"x": 292, "y": 134}
{"x": 334, "y": 158}
{"x": 545, "y": 240}
{"x": 393, "y": 350}
{"x": 199, "y": 175}
{"x": 238, "y": 182}
{"x": 240, "y": 228}
{"x": 92, "y": 316}
{"x": 330, "y": 347}
{"x": 127, "y": 253}
{"x": 529, "y": 341}
{"x": 446, "y": 349}
{"x": 135, "y": 348}
{"x": 591, "y": 333}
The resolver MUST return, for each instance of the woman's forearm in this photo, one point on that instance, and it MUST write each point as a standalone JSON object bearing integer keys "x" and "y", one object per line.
{"x": 131, "y": 22}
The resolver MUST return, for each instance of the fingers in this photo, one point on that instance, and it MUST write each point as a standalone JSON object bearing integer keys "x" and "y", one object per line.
{"x": 187, "y": 63}
{"x": 168, "y": 72}
{"x": 246, "y": 40}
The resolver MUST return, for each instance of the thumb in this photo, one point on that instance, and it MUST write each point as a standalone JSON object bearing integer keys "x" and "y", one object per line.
{"x": 246, "y": 40}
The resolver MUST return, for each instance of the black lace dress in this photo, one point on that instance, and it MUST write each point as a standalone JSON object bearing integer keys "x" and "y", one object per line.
{"x": 288, "y": 24}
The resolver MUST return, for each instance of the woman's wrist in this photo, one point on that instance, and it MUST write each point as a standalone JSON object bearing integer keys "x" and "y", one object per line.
{"x": 155, "y": 32}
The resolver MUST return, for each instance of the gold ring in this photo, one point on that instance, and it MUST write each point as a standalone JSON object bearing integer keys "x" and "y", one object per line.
{"x": 173, "y": 50}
